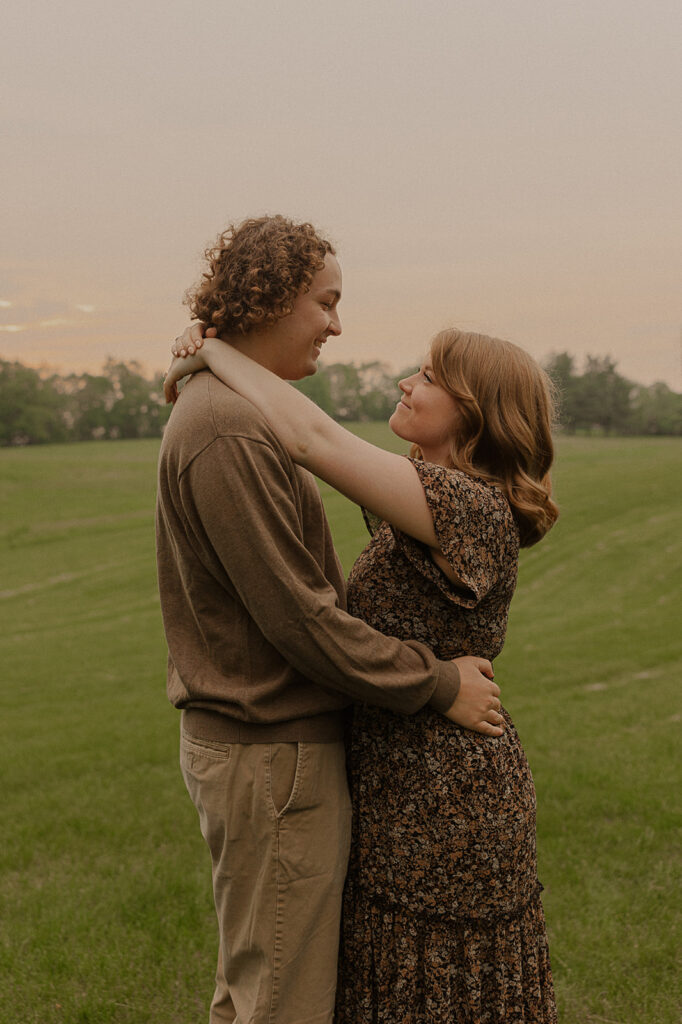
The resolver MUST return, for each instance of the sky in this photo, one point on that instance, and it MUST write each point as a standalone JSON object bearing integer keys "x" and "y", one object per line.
{"x": 511, "y": 167}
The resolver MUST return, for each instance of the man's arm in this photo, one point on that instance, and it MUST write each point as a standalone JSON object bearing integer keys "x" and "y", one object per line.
{"x": 245, "y": 497}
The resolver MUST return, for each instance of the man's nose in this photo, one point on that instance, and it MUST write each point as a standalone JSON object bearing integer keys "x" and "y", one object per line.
{"x": 335, "y": 324}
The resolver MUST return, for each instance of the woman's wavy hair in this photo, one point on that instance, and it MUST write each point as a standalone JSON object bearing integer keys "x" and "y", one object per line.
{"x": 506, "y": 409}
{"x": 255, "y": 271}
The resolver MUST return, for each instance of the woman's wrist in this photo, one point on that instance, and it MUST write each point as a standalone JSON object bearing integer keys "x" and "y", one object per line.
{"x": 209, "y": 348}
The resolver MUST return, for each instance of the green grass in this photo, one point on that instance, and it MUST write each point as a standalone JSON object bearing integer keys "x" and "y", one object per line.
{"x": 105, "y": 906}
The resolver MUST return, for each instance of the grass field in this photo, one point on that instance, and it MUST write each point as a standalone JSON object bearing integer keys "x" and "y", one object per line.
{"x": 106, "y": 913}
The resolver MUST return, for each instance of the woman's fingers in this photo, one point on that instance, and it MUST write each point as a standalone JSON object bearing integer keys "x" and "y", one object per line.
{"x": 184, "y": 344}
{"x": 193, "y": 337}
{"x": 191, "y": 340}
{"x": 196, "y": 337}
{"x": 170, "y": 391}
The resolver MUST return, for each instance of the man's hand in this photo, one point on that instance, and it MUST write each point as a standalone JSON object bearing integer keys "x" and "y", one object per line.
{"x": 477, "y": 705}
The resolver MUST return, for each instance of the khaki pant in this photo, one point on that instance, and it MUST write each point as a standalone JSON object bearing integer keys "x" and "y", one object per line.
{"x": 276, "y": 818}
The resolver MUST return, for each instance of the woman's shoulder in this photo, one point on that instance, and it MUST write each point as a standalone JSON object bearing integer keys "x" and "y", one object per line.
{"x": 445, "y": 484}
{"x": 476, "y": 533}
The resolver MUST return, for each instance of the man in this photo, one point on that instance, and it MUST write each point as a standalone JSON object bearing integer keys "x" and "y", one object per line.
{"x": 263, "y": 658}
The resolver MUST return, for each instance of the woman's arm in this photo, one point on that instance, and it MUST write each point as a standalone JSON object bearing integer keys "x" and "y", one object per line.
{"x": 386, "y": 484}
{"x": 292, "y": 415}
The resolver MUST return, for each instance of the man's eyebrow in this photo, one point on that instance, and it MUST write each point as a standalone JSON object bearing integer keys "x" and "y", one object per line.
{"x": 332, "y": 291}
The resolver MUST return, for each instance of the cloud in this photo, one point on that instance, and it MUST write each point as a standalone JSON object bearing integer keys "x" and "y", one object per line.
{"x": 58, "y": 321}
{"x": 42, "y": 314}
{"x": 31, "y": 310}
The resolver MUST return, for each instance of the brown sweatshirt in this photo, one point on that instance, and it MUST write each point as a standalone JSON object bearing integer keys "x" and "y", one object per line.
{"x": 252, "y": 593}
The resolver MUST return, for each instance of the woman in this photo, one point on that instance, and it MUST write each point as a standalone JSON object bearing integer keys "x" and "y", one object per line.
{"x": 442, "y": 914}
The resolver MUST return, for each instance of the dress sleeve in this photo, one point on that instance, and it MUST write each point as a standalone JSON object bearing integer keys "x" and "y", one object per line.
{"x": 475, "y": 530}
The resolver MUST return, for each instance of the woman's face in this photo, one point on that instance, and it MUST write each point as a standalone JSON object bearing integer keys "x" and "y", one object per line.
{"x": 426, "y": 415}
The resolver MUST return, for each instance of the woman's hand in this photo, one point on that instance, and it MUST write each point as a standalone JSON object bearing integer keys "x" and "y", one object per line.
{"x": 477, "y": 705}
{"x": 186, "y": 358}
{"x": 178, "y": 369}
{"x": 192, "y": 338}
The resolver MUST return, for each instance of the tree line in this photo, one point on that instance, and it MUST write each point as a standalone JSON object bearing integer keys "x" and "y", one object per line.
{"x": 600, "y": 400}
{"x": 122, "y": 402}
{"x": 41, "y": 408}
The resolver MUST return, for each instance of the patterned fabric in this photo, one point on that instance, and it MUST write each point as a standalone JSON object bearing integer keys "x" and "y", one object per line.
{"x": 443, "y": 921}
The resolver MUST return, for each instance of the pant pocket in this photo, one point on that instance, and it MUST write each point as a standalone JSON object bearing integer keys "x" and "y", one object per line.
{"x": 282, "y": 774}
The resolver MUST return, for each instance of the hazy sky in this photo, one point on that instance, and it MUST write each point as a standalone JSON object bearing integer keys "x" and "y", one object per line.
{"x": 511, "y": 167}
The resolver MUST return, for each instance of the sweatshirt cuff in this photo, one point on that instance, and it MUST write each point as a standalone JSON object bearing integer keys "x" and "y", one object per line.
{"x": 447, "y": 687}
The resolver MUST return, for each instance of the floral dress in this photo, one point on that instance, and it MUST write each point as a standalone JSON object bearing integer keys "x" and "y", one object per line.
{"x": 442, "y": 919}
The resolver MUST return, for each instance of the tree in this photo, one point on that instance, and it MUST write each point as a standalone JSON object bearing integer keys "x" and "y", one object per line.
{"x": 599, "y": 398}
{"x": 31, "y": 409}
{"x": 656, "y": 410}
{"x": 90, "y": 400}
{"x": 131, "y": 411}
{"x": 344, "y": 388}
{"x": 603, "y": 396}
{"x": 561, "y": 369}
{"x": 378, "y": 391}
{"x": 318, "y": 389}
{"x": 349, "y": 392}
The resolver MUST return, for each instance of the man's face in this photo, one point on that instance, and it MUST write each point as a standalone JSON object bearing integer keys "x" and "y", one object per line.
{"x": 296, "y": 340}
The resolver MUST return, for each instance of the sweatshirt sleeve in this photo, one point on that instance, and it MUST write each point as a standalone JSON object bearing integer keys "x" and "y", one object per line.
{"x": 242, "y": 496}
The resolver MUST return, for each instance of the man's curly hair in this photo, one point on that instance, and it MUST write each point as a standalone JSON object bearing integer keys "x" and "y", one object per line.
{"x": 255, "y": 271}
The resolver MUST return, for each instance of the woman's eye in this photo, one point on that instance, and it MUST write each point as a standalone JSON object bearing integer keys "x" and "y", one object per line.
{"x": 427, "y": 377}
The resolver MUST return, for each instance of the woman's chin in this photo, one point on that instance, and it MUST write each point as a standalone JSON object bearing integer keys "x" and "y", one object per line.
{"x": 394, "y": 424}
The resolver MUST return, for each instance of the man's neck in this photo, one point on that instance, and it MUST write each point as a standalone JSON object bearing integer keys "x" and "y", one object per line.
{"x": 259, "y": 347}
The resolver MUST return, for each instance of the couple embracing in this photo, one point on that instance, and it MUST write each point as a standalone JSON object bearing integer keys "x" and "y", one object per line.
{"x": 415, "y": 899}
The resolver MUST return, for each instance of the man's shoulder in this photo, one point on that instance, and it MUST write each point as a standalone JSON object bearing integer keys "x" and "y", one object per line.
{"x": 207, "y": 410}
{"x": 220, "y": 434}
